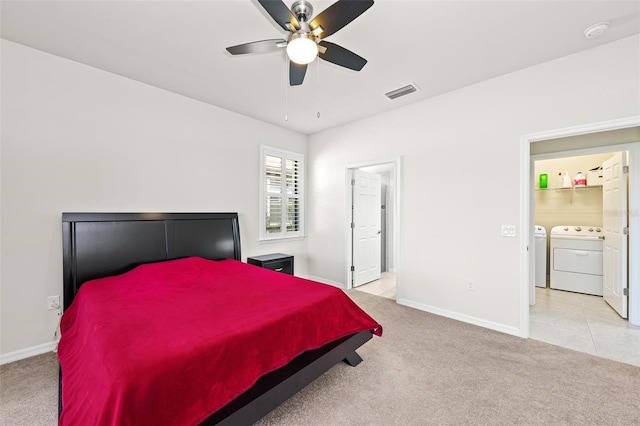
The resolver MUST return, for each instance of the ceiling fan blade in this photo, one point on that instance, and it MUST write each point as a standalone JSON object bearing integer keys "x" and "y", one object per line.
{"x": 296, "y": 73}
{"x": 339, "y": 14}
{"x": 341, "y": 56}
{"x": 261, "y": 46}
{"x": 280, "y": 13}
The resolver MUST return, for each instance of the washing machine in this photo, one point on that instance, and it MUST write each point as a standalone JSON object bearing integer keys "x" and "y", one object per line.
{"x": 576, "y": 259}
{"x": 540, "y": 257}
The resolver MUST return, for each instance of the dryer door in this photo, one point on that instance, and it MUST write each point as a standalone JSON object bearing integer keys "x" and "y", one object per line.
{"x": 578, "y": 261}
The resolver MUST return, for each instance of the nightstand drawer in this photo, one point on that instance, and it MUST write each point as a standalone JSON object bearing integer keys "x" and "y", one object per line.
{"x": 278, "y": 262}
{"x": 285, "y": 266}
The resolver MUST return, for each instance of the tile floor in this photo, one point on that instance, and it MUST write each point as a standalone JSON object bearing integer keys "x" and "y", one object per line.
{"x": 384, "y": 287}
{"x": 584, "y": 323}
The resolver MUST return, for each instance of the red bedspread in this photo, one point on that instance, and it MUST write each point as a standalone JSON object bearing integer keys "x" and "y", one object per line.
{"x": 170, "y": 343}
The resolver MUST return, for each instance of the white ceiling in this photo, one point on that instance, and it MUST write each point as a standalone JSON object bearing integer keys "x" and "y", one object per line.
{"x": 437, "y": 45}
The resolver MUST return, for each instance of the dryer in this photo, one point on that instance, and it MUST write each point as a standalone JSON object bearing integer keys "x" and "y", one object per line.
{"x": 576, "y": 259}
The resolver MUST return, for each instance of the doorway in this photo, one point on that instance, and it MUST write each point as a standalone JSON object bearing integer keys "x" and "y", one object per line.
{"x": 615, "y": 135}
{"x": 385, "y": 212}
{"x": 571, "y": 306}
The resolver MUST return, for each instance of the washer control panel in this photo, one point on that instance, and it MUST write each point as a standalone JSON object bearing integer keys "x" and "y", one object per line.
{"x": 584, "y": 231}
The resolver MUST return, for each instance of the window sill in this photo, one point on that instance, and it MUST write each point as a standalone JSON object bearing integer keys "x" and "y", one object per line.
{"x": 280, "y": 239}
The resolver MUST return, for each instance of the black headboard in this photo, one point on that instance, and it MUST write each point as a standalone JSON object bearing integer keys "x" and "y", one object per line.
{"x": 97, "y": 245}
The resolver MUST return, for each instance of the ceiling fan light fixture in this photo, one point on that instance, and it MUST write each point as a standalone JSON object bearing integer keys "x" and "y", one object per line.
{"x": 305, "y": 41}
{"x": 302, "y": 48}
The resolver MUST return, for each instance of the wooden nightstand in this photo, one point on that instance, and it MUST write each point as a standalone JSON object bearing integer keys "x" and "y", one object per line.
{"x": 278, "y": 262}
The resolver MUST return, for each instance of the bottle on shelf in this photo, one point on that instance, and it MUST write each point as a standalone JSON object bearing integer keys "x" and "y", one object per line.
{"x": 566, "y": 180}
{"x": 580, "y": 180}
{"x": 543, "y": 180}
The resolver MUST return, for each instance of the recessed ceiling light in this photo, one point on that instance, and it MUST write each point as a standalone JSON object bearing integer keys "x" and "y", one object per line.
{"x": 596, "y": 30}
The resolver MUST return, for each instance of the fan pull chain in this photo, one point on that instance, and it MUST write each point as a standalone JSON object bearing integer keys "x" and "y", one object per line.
{"x": 286, "y": 88}
{"x": 318, "y": 89}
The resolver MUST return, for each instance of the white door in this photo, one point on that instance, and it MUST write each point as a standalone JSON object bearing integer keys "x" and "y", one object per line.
{"x": 614, "y": 203}
{"x": 366, "y": 227}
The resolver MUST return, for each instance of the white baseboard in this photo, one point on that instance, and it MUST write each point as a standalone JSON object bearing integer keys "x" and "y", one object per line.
{"x": 325, "y": 281}
{"x": 514, "y": 331}
{"x": 26, "y": 353}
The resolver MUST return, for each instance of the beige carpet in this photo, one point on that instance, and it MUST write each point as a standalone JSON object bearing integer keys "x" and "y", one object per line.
{"x": 424, "y": 370}
{"x": 29, "y": 391}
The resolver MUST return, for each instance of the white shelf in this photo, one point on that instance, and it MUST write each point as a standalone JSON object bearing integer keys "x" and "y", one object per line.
{"x": 578, "y": 188}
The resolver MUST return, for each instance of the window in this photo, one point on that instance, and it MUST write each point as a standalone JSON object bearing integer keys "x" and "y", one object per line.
{"x": 281, "y": 193}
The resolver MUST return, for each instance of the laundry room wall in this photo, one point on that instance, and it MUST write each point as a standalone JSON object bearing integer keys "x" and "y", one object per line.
{"x": 557, "y": 206}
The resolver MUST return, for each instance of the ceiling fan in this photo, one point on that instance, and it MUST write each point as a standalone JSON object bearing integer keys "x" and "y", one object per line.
{"x": 305, "y": 41}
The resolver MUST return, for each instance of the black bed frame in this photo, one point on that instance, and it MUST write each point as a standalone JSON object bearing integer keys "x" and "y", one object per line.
{"x": 97, "y": 245}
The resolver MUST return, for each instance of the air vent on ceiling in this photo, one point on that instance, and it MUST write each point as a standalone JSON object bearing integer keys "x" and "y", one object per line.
{"x": 401, "y": 91}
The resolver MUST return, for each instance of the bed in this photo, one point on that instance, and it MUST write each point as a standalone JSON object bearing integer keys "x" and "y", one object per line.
{"x": 115, "y": 254}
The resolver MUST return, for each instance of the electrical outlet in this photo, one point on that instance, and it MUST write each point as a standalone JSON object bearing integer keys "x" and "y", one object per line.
{"x": 471, "y": 285}
{"x": 53, "y": 302}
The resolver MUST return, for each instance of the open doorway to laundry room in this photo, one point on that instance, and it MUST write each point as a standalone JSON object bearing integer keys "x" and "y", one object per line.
{"x": 567, "y": 304}
{"x": 372, "y": 227}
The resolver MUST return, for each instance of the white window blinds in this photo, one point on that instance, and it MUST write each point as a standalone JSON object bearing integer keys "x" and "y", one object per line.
{"x": 282, "y": 188}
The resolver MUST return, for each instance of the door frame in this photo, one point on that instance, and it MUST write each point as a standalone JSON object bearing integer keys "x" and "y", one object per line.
{"x": 527, "y": 206}
{"x": 395, "y": 174}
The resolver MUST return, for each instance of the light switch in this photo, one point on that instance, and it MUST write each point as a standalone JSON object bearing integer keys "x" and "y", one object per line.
{"x": 508, "y": 231}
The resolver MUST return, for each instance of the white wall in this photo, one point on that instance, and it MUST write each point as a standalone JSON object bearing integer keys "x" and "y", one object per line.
{"x": 460, "y": 179}
{"x": 78, "y": 139}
